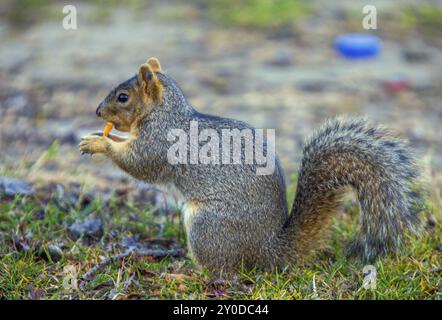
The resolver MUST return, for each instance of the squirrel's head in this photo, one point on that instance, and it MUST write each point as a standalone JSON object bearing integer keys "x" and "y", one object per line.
{"x": 134, "y": 98}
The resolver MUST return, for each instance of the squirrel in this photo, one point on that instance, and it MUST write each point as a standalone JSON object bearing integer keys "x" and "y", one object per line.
{"x": 235, "y": 218}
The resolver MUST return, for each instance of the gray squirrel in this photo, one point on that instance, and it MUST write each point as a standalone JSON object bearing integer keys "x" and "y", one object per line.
{"x": 234, "y": 217}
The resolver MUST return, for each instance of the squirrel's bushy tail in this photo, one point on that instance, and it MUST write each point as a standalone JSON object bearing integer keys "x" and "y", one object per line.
{"x": 378, "y": 166}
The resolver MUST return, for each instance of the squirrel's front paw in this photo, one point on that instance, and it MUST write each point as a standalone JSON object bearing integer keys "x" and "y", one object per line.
{"x": 93, "y": 143}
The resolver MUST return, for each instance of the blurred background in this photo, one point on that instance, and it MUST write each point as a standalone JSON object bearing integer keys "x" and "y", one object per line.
{"x": 269, "y": 63}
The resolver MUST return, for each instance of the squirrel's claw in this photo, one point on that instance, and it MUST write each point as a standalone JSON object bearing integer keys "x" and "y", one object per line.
{"x": 93, "y": 143}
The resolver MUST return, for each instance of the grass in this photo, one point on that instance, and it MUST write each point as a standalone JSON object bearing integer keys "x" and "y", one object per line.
{"x": 29, "y": 226}
{"x": 425, "y": 18}
{"x": 22, "y": 13}
{"x": 25, "y": 13}
{"x": 259, "y": 14}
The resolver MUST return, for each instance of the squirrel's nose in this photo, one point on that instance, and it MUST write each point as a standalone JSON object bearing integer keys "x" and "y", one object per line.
{"x": 98, "y": 112}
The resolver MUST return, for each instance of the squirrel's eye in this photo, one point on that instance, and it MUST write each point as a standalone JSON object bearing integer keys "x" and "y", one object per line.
{"x": 122, "y": 97}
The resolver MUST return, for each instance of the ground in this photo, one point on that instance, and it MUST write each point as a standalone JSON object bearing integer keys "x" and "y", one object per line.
{"x": 39, "y": 250}
{"x": 271, "y": 70}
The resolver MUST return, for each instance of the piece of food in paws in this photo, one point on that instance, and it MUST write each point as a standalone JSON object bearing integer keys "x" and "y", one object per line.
{"x": 107, "y": 129}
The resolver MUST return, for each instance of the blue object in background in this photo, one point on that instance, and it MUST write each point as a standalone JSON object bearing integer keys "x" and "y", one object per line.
{"x": 358, "y": 45}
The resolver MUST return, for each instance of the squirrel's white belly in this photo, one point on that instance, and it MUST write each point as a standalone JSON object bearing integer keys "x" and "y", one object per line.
{"x": 190, "y": 209}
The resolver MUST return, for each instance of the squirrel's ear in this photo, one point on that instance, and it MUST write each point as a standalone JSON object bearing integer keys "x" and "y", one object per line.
{"x": 149, "y": 83}
{"x": 154, "y": 63}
